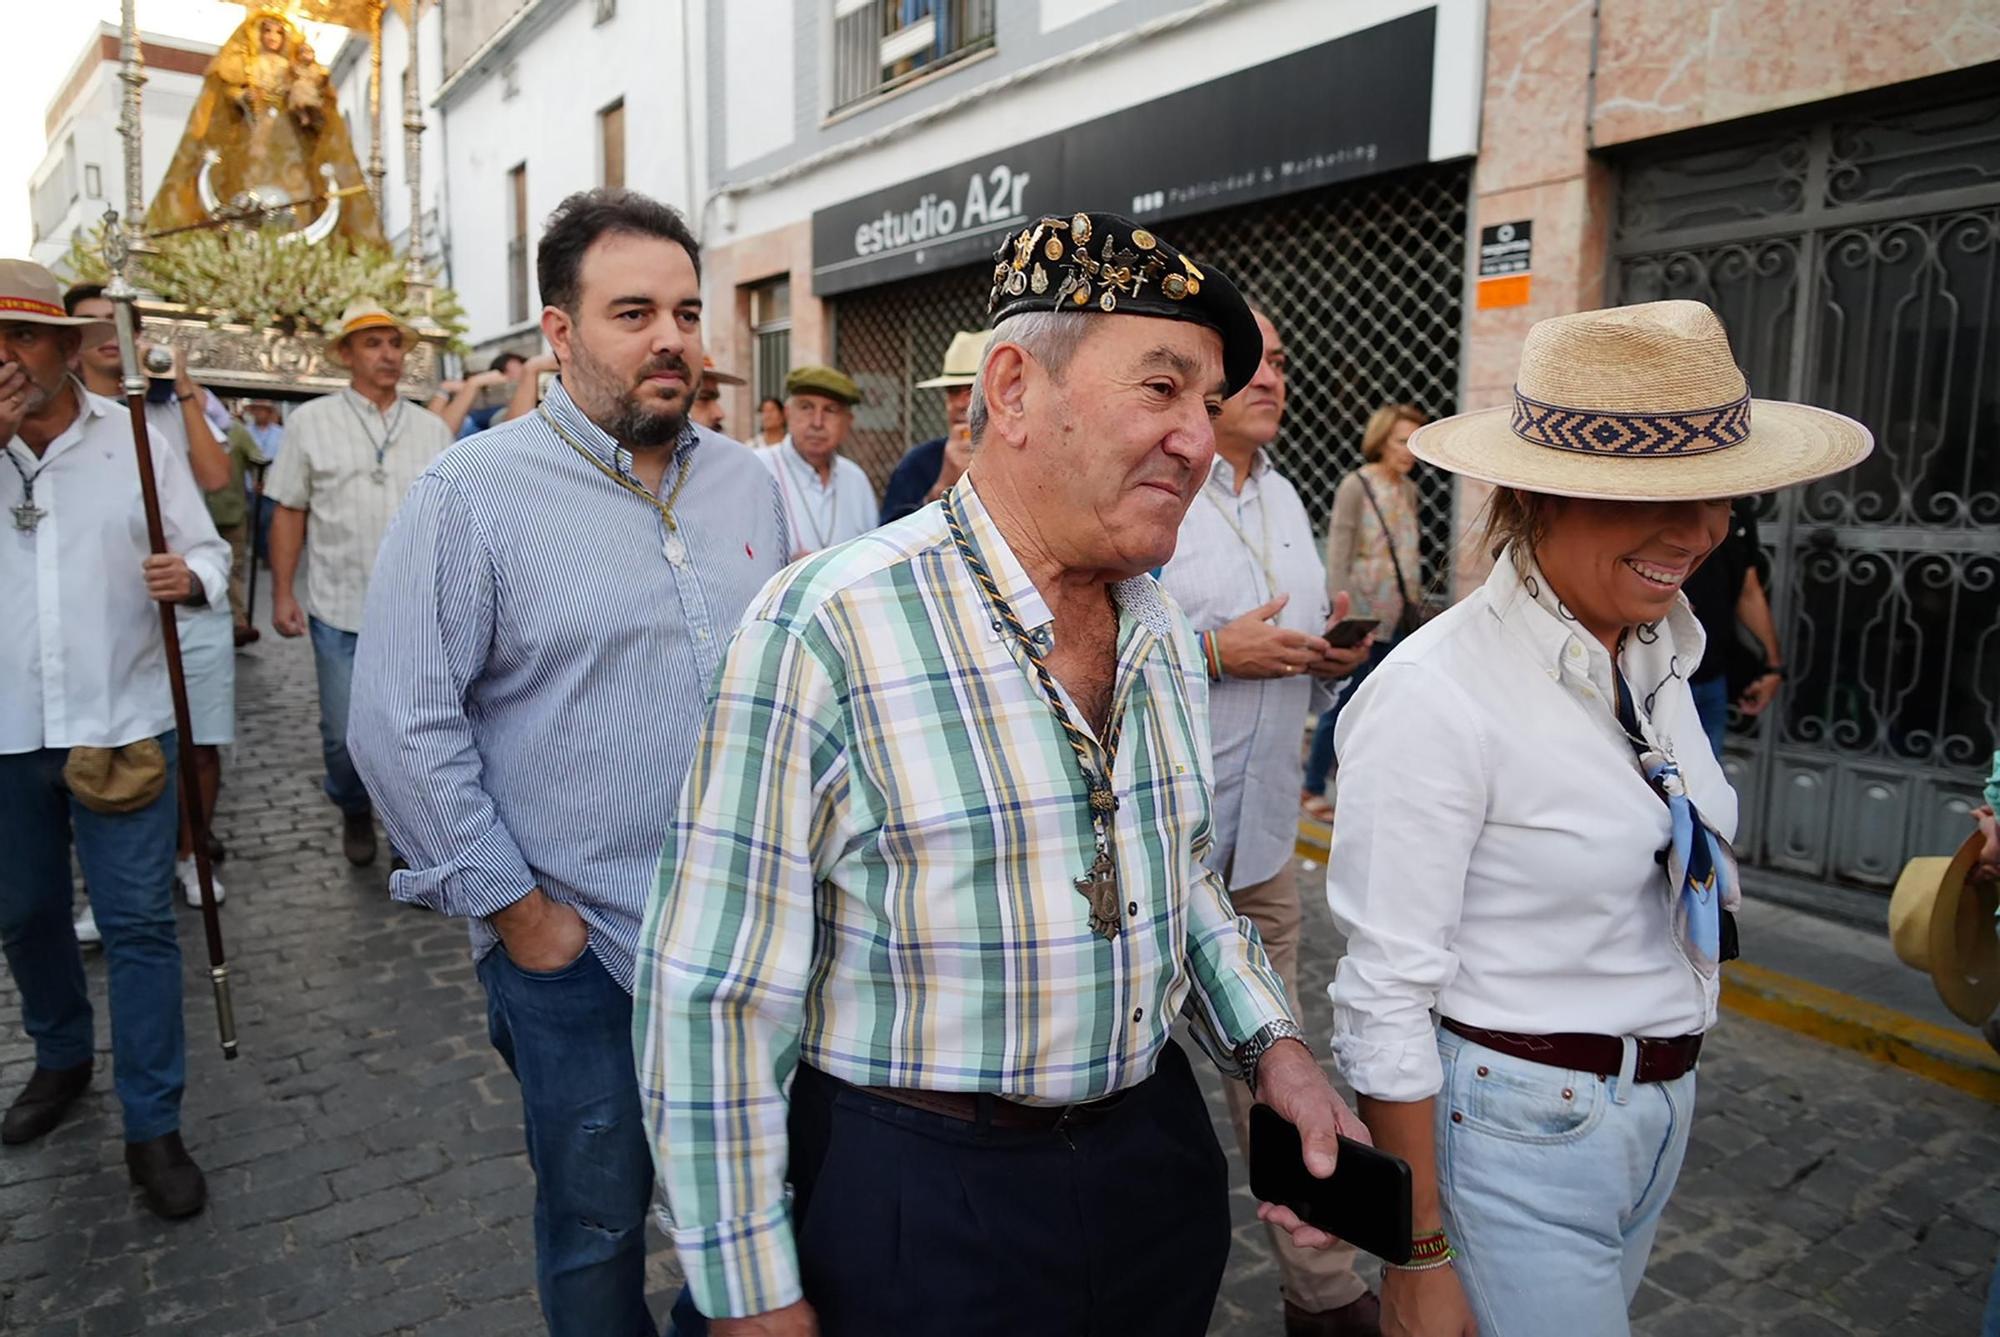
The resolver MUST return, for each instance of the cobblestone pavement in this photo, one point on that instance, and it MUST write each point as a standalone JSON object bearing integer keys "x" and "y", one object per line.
{"x": 366, "y": 1174}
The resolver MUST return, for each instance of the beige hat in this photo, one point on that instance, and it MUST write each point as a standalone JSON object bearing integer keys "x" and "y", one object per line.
{"x": 358, "y": 317}
{"x": 31, "y": 295}
{"x": 1941, "y": 924}
{"x": 961, "y": 361}
{"x": 1640, "y": 403}
{"x": 711, "y": 376}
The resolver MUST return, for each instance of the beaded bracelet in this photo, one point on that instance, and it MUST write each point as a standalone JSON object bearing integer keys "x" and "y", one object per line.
{"x": 1432, "y": 1265}
{"x": 1426, "y": 1247}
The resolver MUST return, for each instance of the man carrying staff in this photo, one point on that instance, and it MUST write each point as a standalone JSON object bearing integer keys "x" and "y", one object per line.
{"x": 551, "y": 605}
{"x": 87, "y": 742}
{"x": 348, "y": 461}
{"x": 935, "y": 894}
{"x": 208, "y": 649}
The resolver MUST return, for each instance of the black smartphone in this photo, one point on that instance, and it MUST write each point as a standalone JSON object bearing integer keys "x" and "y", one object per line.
{"x": 1348, "y": 632}
{"x": 1365, "y": 1202}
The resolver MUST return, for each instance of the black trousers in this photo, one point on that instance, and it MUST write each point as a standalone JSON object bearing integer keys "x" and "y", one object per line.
{"x": 910, "y": 1224}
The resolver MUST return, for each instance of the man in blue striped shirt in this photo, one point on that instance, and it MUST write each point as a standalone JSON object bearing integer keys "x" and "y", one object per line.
{"x": 547, "y": 612}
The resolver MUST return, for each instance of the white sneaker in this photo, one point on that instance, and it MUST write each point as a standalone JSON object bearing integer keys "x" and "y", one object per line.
{"x": 190, "y": 880}
{"x": 86, "y": 928}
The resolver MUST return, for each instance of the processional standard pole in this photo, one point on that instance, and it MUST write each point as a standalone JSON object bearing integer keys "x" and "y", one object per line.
{"x": 118, "y": 248}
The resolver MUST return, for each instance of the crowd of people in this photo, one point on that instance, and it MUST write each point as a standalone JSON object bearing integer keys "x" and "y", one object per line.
{"x": 847, "y": 866}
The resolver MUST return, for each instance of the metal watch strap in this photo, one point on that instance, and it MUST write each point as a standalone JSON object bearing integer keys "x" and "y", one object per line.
{"x": 1251, "y": 1052}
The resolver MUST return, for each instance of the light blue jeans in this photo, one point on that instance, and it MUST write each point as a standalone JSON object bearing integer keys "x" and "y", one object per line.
{"x": 1552, "y": 1183}
{"x": 333, "y": 663}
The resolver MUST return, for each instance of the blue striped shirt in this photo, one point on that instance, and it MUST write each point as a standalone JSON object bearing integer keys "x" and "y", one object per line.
{"x": 533, "y": 666}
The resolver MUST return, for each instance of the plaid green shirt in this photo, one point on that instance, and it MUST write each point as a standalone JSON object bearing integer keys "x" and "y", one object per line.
{"x": 873, "y": 871}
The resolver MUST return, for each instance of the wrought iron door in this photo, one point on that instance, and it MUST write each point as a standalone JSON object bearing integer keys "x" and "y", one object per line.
{"x": 1364, "y": 280}
{"x": 1856, "y": 261}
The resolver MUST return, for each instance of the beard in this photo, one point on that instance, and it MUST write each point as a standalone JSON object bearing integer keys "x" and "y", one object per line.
{"x": 614, "y": 405}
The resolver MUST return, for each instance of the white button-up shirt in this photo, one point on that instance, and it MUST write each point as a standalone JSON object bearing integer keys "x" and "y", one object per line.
{"x": 1494, "y": 840}
{"x": 821, "y": 512}
{"x": 1238, "y": 550}
{"x": 328, "y": 469}
{"x": 81, "y": 657}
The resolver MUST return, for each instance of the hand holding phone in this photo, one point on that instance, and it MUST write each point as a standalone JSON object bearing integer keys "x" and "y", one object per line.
{"x": 1349, "y": 632}
{"x": 1366, "y": 1201}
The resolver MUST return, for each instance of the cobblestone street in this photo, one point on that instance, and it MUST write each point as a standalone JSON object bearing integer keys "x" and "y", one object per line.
{"x": 366, "y": 1174}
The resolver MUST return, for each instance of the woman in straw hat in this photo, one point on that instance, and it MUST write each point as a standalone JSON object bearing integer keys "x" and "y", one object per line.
{"x": 1531, "y": 858}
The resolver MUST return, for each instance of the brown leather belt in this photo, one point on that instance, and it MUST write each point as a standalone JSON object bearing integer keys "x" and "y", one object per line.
{"x": 1659, "y": 1060}
{"x": 997, "y": 1111}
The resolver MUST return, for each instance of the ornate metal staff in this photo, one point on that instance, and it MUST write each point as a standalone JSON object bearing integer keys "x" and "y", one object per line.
{"x": 122, "y": 295}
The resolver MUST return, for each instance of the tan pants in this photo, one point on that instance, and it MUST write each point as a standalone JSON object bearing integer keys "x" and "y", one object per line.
{"x": 238, "y": 539}
{"x": 1312, "y": 1279}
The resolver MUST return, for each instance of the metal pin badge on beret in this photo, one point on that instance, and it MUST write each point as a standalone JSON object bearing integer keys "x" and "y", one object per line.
{"x": 1110, "y": 265}
{"x": 1640, "y": 403}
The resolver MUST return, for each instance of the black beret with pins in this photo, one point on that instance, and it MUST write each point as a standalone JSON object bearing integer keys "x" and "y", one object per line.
{"x": 1108, "y": 264}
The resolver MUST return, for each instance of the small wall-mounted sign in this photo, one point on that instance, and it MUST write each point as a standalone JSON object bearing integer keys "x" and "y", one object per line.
{"x": 1506, "y": 265}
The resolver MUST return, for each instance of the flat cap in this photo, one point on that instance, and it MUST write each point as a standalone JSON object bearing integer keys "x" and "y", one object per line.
{"x": 828, "y": 381}
{"x": 1108, "y": 264}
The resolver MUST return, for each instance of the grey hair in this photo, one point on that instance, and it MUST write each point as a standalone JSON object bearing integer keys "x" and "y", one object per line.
{"x": 1050, "y": 337}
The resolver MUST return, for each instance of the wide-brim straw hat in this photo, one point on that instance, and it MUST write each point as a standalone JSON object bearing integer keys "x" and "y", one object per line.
{"x": 359, "y": 317}
{"x": 1941, "y": 923}
{"x": 31, "y": 295}
{"x": 709, "y": 373}
{"x": 1640, "y": 403}
{"x": 961, "y": 361}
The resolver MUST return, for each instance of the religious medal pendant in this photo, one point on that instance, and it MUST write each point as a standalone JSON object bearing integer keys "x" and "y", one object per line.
{"x": 27, "y": 515}
{"x": 379, "y": 474}
{"x": 1099, "y": 886}
{"x": 673, "y": 549}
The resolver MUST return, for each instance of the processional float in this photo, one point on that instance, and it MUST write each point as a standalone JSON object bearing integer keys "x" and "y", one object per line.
{"x": 262, "y": 231}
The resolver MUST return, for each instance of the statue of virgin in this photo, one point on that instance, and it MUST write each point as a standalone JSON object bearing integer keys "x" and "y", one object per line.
{"x": 267, "y": 131}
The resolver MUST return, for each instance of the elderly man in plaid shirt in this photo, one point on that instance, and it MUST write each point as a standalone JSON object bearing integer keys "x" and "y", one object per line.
{"x": 935, "y": 895}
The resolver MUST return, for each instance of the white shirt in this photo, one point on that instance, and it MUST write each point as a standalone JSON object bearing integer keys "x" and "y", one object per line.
{"x": 1494, "y": 839}
{"x": 821, "y": 512}
{"x": 328, "y": 468}
{"x": 82, "y": 658}
{"x": 1233, "y": 546}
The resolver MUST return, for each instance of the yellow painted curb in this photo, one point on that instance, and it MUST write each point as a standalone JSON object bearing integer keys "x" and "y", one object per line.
{"x": 1958, "y": 1059}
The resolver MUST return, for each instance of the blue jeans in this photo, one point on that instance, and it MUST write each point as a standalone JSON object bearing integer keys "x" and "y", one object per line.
{"x": 128, "y": 860}
{"x": 1319, "y": 761}
{"x": 1711, "y": 703}
{"x": 333, "y": 662}
{"x": 1552, "y": 1184}
{"x": 567, "y": 1036}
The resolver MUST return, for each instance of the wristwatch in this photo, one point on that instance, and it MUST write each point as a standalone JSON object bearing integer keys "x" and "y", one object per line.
{"x": 1771, "y": 669}
{"x": 1252, "y": 1051}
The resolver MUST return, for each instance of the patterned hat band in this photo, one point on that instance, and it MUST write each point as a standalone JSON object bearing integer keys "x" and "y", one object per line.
{"x": 1640, "y": 435}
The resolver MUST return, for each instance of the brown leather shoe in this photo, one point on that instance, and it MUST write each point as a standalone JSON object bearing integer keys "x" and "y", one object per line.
{"x": 357, "y": 838}
{"x": 43, "y": 1102}
{"x": 167, "y": 1175}
{"x": 1363, "y": 1318}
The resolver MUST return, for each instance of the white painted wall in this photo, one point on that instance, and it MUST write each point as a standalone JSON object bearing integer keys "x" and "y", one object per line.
{"x": 168, "y": 98}
{"x": 759, "y": 97}
{"x": 568, "y": 72}
{"x": 1109, "y": 77}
